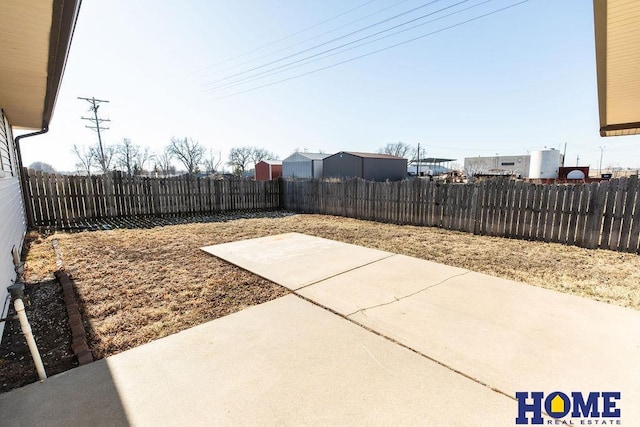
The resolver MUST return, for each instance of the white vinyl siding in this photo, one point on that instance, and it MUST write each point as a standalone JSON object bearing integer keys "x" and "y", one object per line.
{"x": 12, "y": 221}
{"x": 7, "y": 158}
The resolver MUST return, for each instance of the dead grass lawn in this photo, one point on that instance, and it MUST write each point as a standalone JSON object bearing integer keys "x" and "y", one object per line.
{"x": 139, "y": 285}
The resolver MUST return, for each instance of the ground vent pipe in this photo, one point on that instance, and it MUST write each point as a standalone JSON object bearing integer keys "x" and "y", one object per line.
{"x": 17, "y": 293}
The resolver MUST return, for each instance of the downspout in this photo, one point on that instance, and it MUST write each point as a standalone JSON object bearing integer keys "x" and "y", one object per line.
{"x": 17, "y": 293}
{"x": 23, "y": 182}
{"x": 17, "y": 289}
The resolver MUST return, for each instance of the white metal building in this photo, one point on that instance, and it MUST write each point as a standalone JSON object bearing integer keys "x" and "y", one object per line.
{"x": 498, "y": 165}
{"x": 540, "y": 164}
{"x": 303, "y": 165}
{"x": 35, "y": 42}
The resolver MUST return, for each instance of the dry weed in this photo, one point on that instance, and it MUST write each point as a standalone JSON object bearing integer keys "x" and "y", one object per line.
{"x": 139, "y": 285}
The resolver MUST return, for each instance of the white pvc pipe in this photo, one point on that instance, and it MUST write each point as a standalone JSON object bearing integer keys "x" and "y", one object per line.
{"x": 31, "y": 342}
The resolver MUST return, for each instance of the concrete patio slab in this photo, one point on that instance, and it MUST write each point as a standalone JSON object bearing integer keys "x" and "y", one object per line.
{"x": 285, "y": 362}
{"x": 295, "y": 260}
{"x": 517, "y": 337}
{"x": 508, "y": 335}
{"x": 382, "y": 282}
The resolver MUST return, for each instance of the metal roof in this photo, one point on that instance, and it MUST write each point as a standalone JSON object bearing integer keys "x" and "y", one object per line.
{"x": 310, "y": 156}
{"x": 372, "y": 155}
{"x": 272, "y": 162}
{"x": 35, "y": 37}
{"x": 617, "y": 36}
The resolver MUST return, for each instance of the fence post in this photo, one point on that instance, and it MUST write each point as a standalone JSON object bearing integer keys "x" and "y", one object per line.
{"x": 608, "y": 213}
{"x": 631, "y": 191}
{"x": 27, "y": 197}
{"x": 282, "y": 194}
{"x": 594, "y": 218}
{"x": 475, "y": 199}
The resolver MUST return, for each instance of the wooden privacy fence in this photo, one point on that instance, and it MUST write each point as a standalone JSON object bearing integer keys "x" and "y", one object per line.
{"x": 595, "y": 215}
{"x": 61, "y": 200}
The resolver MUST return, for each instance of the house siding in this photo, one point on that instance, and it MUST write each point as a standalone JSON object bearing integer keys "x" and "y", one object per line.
{"x": 12, "y": 220}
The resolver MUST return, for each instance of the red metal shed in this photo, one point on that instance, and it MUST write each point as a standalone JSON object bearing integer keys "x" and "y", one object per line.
{"x": 267, "y": 170}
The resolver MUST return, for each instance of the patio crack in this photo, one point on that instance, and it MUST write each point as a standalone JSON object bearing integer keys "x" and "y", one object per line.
{"x": 408, "y": 295}
{"x": 405, "y": 346}
{"x": 343, "y": 272}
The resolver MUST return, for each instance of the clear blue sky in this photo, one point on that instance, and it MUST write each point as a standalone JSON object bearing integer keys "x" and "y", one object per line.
{"x": 512, "y": 82}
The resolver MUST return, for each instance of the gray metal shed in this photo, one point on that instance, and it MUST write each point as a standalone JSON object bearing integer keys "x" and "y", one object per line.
{"x": 369, "y": 166}
{"x": 303, "y": 165}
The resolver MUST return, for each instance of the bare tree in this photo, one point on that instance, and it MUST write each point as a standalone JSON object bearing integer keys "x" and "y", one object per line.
{"x": 259, "y": 154}
{"x": 213, "y": 161}
{"x": 143, "y": 157}
{"x": 239, "y": 159}
{"x": 163, "y": 162}
{"x": 84, "y": 157}
{"x": 188, "y": 152}
{"x": 130, "y": 157}
{"x": 42, "y": 166}
{"x": 126, "y": 153}
{"x": 399, "y": 149}
{"x": 103, "y": 157}
{"x": 471, "y": 171}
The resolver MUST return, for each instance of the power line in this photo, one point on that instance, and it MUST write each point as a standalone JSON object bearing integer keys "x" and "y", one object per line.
{"x": 294, "y": 34}
{"x": 375, "y": 51}
{"x": 286, "y": 67}
{"x": 375, "y": 24}
{"x": 314, "y": 37}
{"x": 255, "y": 76}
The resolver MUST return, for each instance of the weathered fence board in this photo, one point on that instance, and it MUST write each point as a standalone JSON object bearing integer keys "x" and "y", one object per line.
{"x": 62, "y": 200}
{"x": 596, "y": 215}
{"x": 627, "y": 215}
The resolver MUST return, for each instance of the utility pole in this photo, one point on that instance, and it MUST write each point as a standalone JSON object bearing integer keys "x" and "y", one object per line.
{"x": 96, "y": 125}
{"x": 418, "y": 161}
{"x": 564, "y": 154}
{"x": 601, "y": 152}
{"x": 578, "y": 160}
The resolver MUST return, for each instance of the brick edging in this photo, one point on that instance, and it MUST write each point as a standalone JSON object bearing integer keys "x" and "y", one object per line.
{"x": 79, "y": 339}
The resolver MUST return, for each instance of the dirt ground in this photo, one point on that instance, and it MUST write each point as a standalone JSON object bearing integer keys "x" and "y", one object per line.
{"x": 48, "y": 318}
{"x": 135, "y": 286}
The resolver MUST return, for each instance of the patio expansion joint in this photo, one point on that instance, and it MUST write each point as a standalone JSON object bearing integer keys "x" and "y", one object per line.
{"x": 405, "y": 346}
{"x": 362, "y": 310}
{"x": 343, "y": 272}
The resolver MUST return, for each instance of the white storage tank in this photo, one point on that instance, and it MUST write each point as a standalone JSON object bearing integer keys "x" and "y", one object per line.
{"x": 544, "y": 164}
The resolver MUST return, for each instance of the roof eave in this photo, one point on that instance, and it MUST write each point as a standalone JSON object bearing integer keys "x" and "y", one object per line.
{"x": 63, "y": 22}
{"x": 621, "y": 129}
{"x": 600, "y": 29}
{"x": 617, "y": 45}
